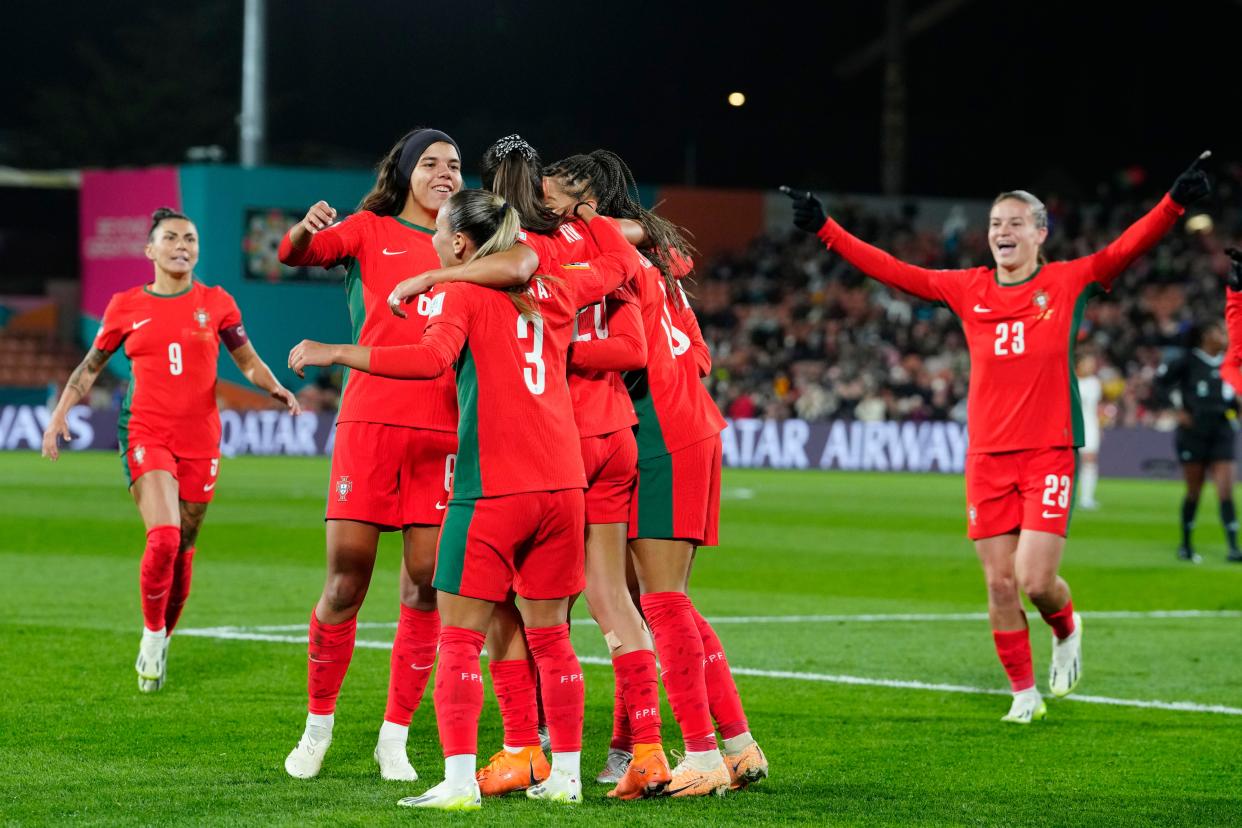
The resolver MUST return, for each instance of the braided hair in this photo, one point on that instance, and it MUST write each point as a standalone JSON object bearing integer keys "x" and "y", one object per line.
{"x": 511, "y": 168}
{"x": 603, "y": 175}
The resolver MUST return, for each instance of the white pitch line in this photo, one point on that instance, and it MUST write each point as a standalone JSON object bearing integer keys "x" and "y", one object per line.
{"x": 845, "y": 619}
{"x": 236, "y": 634}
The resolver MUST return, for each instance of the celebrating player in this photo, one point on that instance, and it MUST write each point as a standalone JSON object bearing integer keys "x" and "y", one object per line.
{"x": 1206, "y": 430}
{"x": 393, "y": 455}
{"x": 1021, "y": 320}
{"x": 169, "y": 430}
{"x": 608, "y": 338}
{"x": 1089, "y": 455}
{"x": 515, "y": 520}
{"x": 675, "y": 508}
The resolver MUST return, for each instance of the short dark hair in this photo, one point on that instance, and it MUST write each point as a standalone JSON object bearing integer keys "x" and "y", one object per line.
{"x": 163, "y": 214}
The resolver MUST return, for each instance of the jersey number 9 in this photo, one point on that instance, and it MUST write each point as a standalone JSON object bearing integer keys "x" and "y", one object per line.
{"x": 175, "y": 366}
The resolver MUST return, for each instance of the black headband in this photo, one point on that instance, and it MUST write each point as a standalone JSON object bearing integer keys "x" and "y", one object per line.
{"x": 416, "y": 145}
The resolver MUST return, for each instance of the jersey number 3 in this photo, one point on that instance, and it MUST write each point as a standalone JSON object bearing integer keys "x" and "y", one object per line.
{"x": 535, "y": 373}
{"x": 1010, "y": 338}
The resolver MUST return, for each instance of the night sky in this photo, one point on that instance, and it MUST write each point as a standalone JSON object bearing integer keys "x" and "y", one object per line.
{"x": 1051, "y": 96}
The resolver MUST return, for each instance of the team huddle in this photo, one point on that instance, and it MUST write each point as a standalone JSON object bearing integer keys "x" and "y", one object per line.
{"x": 524, "y": 404}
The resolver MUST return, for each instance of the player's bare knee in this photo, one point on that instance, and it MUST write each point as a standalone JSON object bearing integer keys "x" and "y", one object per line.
{"x": 421, "y": 596}
{"x": 1038, "y": 587}
{"x": 344, "y": 591}
{"x": 1002, "y": 588}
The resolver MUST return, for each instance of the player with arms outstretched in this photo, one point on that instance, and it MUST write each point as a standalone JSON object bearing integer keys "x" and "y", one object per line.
{"x": 1021, "y": 321}
{"x": 171, "y": 329}
{"x": 394, "y": 450}
{"x": 515, "y": 520}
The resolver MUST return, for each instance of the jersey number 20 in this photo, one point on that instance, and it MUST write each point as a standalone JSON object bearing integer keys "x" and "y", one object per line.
{"x": 536, "y": 372}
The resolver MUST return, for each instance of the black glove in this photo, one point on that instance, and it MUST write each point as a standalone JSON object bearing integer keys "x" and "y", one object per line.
{"x": 1193, "y": 184}
{"x": 1234, "y": 279}
{"x": 809, "y": 215}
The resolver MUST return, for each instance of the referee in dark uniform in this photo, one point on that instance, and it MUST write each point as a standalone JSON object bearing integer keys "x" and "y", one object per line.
{"x": 1207, "y": 424}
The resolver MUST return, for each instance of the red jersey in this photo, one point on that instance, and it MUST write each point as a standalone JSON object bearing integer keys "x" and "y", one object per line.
{"x": 516, "y": 432}
{"x": 608, "y": 339}
{"x": 1231, "y": 368}
{"x": 674, "y": 409}
{"x": 379, "y": 252}
{"x": 173, "y": 343}
{"x": 1023, "y": 394}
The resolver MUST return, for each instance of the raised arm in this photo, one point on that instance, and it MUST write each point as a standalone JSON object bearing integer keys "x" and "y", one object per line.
{"x": 76, "y": 389}
{"x": 625, "y": 347}
{"x": 810, "y": 217}
{"x": 316, "y": 241}
{"x": 255, "y": 370}
{"x": 1231, "y": 368}
{"x": 615, "y": 264}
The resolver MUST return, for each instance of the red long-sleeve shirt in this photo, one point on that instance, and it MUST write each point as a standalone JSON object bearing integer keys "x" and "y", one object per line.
{"x": 1023, "y": 393}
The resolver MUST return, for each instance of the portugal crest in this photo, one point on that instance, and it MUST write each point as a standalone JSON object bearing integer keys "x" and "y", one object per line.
{"x": 140, "y": 454}
{"x": 1043, "y": 304}
{"x": 343, "y": 487}
{"x": 202, "y": 317}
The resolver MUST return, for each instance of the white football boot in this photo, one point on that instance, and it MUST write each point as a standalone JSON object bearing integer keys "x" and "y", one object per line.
{"x": 1028, "y": 706}
{"x": 558, "y": 787}
{"x": 615, "y": 766}
{"x": 152, "y": 664}
{"x": 446, "y": 797}
{"x": 305, "y": 760}
{"x": 394, "y": 762}
{"x": 1066, "y": 667}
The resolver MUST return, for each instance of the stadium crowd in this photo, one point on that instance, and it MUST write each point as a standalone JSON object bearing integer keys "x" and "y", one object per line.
{"x": 797, "y": 332}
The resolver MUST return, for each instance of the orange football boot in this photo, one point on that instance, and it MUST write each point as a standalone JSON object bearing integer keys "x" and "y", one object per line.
{"x": 688, "y": 781}
{"x": 508, "y": 772}
{"x": 647, "y": 775}
{"x": 747, "y": 767}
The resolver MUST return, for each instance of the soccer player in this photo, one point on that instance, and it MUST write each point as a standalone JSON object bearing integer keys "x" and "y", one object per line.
{"x": 608, "y": 339}
{"x": 1020, "y": 319}
{"x": 1089, "y": 393}
{"x": 1207, "y": 428}
{"x": 171, "y": 329}
{"x": 675, "y": 508}
{"x": 515, "y": 520}
{"x": 394, "y": 450}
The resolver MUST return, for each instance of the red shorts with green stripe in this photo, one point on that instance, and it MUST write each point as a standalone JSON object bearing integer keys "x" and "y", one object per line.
{"x": 678, "y": 495}
{"x": 196, "y": 476}
{"x": 611, "y": 462}
{"x": 1012, "y": 490}
{"x": 392, "y": 476}
{"x": 530, "y": 543}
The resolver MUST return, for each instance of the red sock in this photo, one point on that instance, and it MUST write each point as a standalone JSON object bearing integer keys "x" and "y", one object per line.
{"x": 680, "y": 647}
{"x": 1014, "y": 649}
{"x": 1061, "y": 621}
{"x": 722, "y": 695}
{"x": 459, "y": 690}
{"x": 156, "y": 575}
{"x": 183, "y": 570}
{"x": 513, "y": 681}
{"x": 413, "y": 656}
{"x": 640, "y": 684}
{"x": 331, "y": 646}
{"x": 560, "y": 684}
{"x": 622, "y": 739}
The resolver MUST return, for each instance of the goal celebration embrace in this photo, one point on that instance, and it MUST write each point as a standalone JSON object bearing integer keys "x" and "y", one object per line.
{"x": 526, "y": 414}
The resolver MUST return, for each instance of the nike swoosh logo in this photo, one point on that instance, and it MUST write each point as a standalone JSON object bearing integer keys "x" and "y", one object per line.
{"x": 138, "y": 325}
{"x": 982, "y": 309}
{"x": 388, "y": 252}
{"x": 320, "y": 660}
{"x": 440, "y": 506}
{"x": 1053, "y": 514}
{"x": 421, "y": 667}
{"x": 207, "y": 487}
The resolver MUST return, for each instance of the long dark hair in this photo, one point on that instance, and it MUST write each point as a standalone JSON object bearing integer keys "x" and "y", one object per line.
{"x": 512, "y": 169}
{"x": 604, "y": 175}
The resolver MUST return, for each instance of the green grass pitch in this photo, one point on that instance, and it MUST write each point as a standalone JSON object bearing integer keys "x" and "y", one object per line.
{"x": 79, "y": 743}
